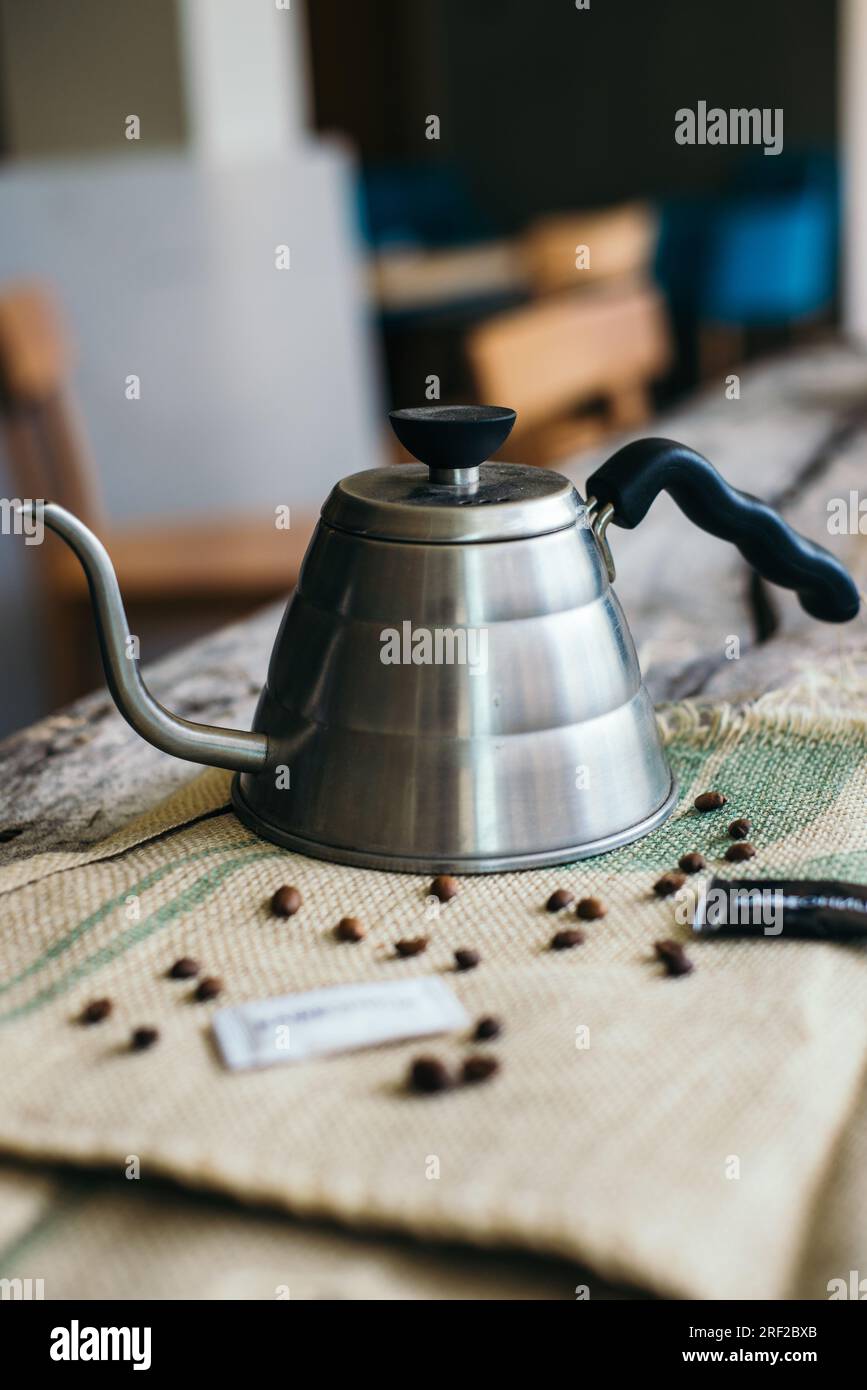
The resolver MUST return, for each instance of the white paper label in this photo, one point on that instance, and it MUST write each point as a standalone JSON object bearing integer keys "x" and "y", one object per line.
{"x": 297, "y": 1026}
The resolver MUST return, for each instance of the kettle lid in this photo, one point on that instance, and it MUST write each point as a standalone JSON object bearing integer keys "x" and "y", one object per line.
{"x": 453, "y": 496}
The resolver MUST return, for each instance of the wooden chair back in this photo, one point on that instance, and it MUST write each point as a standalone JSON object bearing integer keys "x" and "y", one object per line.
{"x": 574, "y": 351}
{"x": 46, "y": 444}
{"x": 566, "y": 251}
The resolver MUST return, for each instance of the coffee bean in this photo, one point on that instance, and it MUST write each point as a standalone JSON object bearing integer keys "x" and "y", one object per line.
{"x": 559, "y": 899}
{"x": 691, "y": 863}
{"x": 479, "y": 1068}
{"x": 96, "y": 1011}
{"x": 740, "y": 828}
{"x": 673, "y": 957}
{"x": 286, "y": 901}
{"x": 590, "y": 909}
{"x": 412, "y": 946}
{"x": 428, "y": 1074}
{"x": 466, "y": 959}
{"x": 709, "y": 801}
{"x": 208, "y": 988}
{"x": 742, "y": 850}
{"x": 184, "y": 969}
{"x": 668, "y": 884}
{"x": 564, "y": 940}
{"x": 142, "y": 1039}
{"x": 349, "y": 929}
{"x": 444, "y": 887}
{"x": 487, "y": 1028}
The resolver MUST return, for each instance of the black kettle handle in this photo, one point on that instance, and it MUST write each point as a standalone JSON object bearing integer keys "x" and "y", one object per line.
{"x": 637, "y": 473}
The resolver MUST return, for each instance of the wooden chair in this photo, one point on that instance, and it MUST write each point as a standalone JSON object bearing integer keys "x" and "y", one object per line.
{"x": 206, "y": 571}
{"x": 620, "y": 242}
{"x": 575, "y": 367}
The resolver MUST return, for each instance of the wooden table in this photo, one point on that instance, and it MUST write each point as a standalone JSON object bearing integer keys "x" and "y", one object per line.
{"x": 797, "y": 435}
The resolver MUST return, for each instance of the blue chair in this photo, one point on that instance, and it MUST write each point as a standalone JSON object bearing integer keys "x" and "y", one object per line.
{"x": 764, "y": 253}
{"x": 769, "y": 260}
{"x": 418, "y": 205}
{"x": 761, "y": 256}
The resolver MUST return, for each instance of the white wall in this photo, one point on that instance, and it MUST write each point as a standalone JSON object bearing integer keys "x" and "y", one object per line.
{"x": 259, "y": 386}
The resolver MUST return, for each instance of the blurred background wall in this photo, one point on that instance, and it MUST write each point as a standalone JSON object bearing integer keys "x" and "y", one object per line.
{"x": 211, "y": 384}
{"x": 532, "y": 114}
{"x": 68, "y": 69}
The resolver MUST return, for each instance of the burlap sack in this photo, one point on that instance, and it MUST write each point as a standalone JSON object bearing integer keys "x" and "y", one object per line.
{"x": 683, "y": 1150}
{"x": 82, "y": 1235}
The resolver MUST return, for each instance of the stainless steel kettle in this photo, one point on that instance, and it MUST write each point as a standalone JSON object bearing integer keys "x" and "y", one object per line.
{"x": 454, "y": 686}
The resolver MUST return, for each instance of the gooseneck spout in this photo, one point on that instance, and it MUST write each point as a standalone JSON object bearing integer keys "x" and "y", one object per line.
{"x": 200, "y": 743}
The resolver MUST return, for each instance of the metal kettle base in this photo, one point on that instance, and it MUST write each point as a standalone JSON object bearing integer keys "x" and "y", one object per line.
{"x": 408, "y": 864}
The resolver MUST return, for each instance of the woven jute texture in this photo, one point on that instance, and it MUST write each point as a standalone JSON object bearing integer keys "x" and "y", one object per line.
{"x": 670, "y": 1133}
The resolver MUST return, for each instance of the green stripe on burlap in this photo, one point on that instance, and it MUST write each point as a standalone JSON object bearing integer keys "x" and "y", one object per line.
{"x": 195, "y": 896}
{"x": 758, "y": 779}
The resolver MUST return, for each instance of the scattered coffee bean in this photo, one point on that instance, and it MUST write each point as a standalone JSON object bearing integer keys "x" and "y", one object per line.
{"x": 691, "y": 863}
{"x": 668, "y": 884}
{"x": 590, "y": 909}
{"x": 709, "y": 801}
{"x": 208, "y": 988}
{"x": 412, "y": 946}
{"x": 740, "y": 828}
{"x": 479, "y": 1068}
{"x": 742, "y": 850}
{"x": 444, "y": 887}
{"x": 184, "y": 969}
{"x": 286, "y": 901}
{"x": 564, "y": 940}
{"x": 96, "y": 1011}
{"x": 349, "y": 929}
{"x": 428, "y": 1074}
{"x": 673, "y": 957}
{"x": 142, "y": 1039}
{"x": 559, "y": 899}
{"x": 466, "y": 959}
{"x": 487, "y": 1028}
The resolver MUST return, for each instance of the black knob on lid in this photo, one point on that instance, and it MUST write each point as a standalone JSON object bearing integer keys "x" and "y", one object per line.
{"x": 453, "y": 440}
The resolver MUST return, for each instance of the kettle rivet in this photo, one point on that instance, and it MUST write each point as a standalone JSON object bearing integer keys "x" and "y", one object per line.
{"x": 599, "y": 524}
